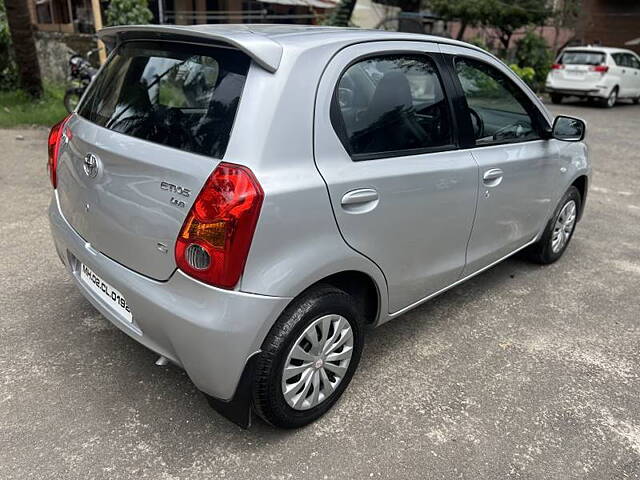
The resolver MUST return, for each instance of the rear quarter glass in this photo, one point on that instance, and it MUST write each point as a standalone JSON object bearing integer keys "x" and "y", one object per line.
{"x": 179, "y": 95}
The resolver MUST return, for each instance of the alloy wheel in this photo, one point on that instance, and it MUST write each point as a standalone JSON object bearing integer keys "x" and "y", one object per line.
{"x": 563, "y": 227}
{"x": 317, "y": 362}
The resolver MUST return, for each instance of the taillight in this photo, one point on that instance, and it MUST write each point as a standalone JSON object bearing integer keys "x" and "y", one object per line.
{"x": 58, "y": 131}
{"x": 557, "y": 66}
{"x": 215, "y": 238}
{"x": 599, "y": 68}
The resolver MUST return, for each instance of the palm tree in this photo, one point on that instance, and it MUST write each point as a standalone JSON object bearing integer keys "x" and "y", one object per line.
{"x": 24, "y": 46}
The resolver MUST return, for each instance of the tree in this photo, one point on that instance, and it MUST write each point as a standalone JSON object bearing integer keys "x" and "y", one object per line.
{"x": 533, "y": 51}
{"x": 24, "y": 47}
{"x": 508, "y": 16}
{"x": 565, "y": 15}
{"x": 8, "y": 72}
{"x": 128, "y": 12}
{"x": 340, "y": 16}
{"x": 468, "y": 12}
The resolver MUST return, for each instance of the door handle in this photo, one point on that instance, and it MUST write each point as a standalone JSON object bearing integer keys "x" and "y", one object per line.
{"x": 359, "y": 196}
{"x": 492, "y": 177}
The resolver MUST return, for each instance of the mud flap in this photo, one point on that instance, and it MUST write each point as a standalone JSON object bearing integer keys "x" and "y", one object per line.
{"x": 238, "y": 409}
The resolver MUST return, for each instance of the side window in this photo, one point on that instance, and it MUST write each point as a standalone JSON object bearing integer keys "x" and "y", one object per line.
{"x": 496, "y": 105}
{"x": 617, "y": 57}
{"x": 391, "y": 105}
{"x": 632, "y": 61}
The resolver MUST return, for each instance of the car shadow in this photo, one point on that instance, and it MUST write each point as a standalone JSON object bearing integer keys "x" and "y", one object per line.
{"x": 578, "y": 103}
{"x": 120, "y": 373}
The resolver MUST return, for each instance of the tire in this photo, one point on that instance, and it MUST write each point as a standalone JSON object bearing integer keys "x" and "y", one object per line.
{"x": 636, "y": 101}
{"x": 316, "y": 305}
{"x": 545, "y": 250}
{"x": 556, "y": 98}
{"x": 71, "y": 99}
{"x": 611, "y": 100}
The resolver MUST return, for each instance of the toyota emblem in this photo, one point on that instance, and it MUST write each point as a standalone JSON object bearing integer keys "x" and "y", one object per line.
{"x": 91, "y": 165}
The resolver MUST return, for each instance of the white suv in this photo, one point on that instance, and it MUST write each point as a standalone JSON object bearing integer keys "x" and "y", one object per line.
{"x": 601, "y": 73}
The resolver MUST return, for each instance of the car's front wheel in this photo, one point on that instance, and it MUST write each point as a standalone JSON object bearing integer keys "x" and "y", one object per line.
{"x": 559, "y": 230}
{"x": 308, "y": 358}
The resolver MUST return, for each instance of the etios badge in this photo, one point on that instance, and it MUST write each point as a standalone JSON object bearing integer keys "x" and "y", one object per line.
{"x": 91, "y": 165}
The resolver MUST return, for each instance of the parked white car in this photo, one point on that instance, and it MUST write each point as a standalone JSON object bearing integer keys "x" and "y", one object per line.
{"x": 596, "y": 73}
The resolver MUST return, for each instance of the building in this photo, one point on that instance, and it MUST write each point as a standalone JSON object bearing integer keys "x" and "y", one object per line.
{"x": 76, "y": 16}
{"x": 612, "y": 23}
{"x": 64, "y": 16}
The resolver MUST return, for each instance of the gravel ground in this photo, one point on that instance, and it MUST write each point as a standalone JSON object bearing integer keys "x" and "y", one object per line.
{"x": 523, "y": 372}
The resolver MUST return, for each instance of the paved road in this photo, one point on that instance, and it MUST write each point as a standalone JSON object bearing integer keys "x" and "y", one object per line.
{"x": 524, "y": 371}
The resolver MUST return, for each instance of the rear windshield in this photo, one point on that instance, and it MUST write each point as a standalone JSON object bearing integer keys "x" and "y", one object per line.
{"x": 178, "y": 95}
{"x": 582, "y": 58}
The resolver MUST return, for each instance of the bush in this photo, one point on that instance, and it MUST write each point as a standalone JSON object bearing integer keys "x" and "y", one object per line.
{"x": 8, "y": 69}
{"x": 19, "y": 108}
{"x": 532, "y": 51}
{"x": 128, "y": 12}
{"x": 525, "y": 73}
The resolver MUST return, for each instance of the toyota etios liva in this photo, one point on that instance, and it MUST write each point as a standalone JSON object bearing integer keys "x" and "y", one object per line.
{"x": 245, "y": 200}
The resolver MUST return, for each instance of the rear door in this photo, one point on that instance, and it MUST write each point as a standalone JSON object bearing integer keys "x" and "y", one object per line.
{"x": 152, "y": 128}
{"x": 519, "y": 174}
{"x": 403, "y": 194}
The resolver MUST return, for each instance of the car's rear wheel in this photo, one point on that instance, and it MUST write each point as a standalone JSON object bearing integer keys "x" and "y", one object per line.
{"x": 636, "y": 100}
{"x": 611, "y": 100}
{"x": 556, "y": 98}
{"x": 559, "y": 230}
{"x": 308, "y": 358}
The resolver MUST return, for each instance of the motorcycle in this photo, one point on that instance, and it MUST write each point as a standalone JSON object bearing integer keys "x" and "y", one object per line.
{"x": 81, "y": 73}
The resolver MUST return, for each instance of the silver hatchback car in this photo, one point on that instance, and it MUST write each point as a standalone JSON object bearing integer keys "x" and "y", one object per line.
{"x": 246, "y": 200}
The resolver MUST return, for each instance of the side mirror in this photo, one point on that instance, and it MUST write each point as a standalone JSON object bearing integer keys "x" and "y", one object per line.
{"x": 568, "y": 129}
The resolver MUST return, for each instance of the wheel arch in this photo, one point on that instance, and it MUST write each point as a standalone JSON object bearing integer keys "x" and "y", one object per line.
{"x": 582, "y": 184}
{"x": 362, "y": 287}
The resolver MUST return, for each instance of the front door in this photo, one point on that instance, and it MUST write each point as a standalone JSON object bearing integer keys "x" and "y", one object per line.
{"x": 519, "y": 173}
{"x": 386, "y": 147}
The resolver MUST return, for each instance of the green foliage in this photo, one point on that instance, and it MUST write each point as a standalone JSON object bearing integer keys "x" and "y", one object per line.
{"x": 525, "y": 73}
{"x": 532, "y": 51}
{"x": 566, "y": 13}
{"x": 479, "y": 42}
{"x": 8, "y": 69}
{"x": 19, "y": 108}
{"x": 128, "y": 12}
{"x": 468, "y": 12}
{"x": 508, "y": 16}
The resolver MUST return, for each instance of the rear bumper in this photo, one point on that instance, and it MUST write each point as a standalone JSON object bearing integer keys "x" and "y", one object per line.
{"x": 593, "y": 92}
{"x": 564, "y": 88}
{"x": 210, "y": 332}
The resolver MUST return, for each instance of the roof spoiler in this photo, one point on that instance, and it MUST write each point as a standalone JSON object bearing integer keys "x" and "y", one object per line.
{"x": 263, "y": 50}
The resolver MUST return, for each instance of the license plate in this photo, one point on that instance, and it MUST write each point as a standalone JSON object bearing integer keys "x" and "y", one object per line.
{"x": 105, "y": 291}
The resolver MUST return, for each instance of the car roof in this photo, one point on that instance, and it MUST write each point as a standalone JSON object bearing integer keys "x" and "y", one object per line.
{"x": 597, "y": 49}
{"x": 265, "y": 43}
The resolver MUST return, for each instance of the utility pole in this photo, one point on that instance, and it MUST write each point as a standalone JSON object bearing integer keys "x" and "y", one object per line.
{"x": 97, "y": 25}
{"x": 160, "y": 12}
